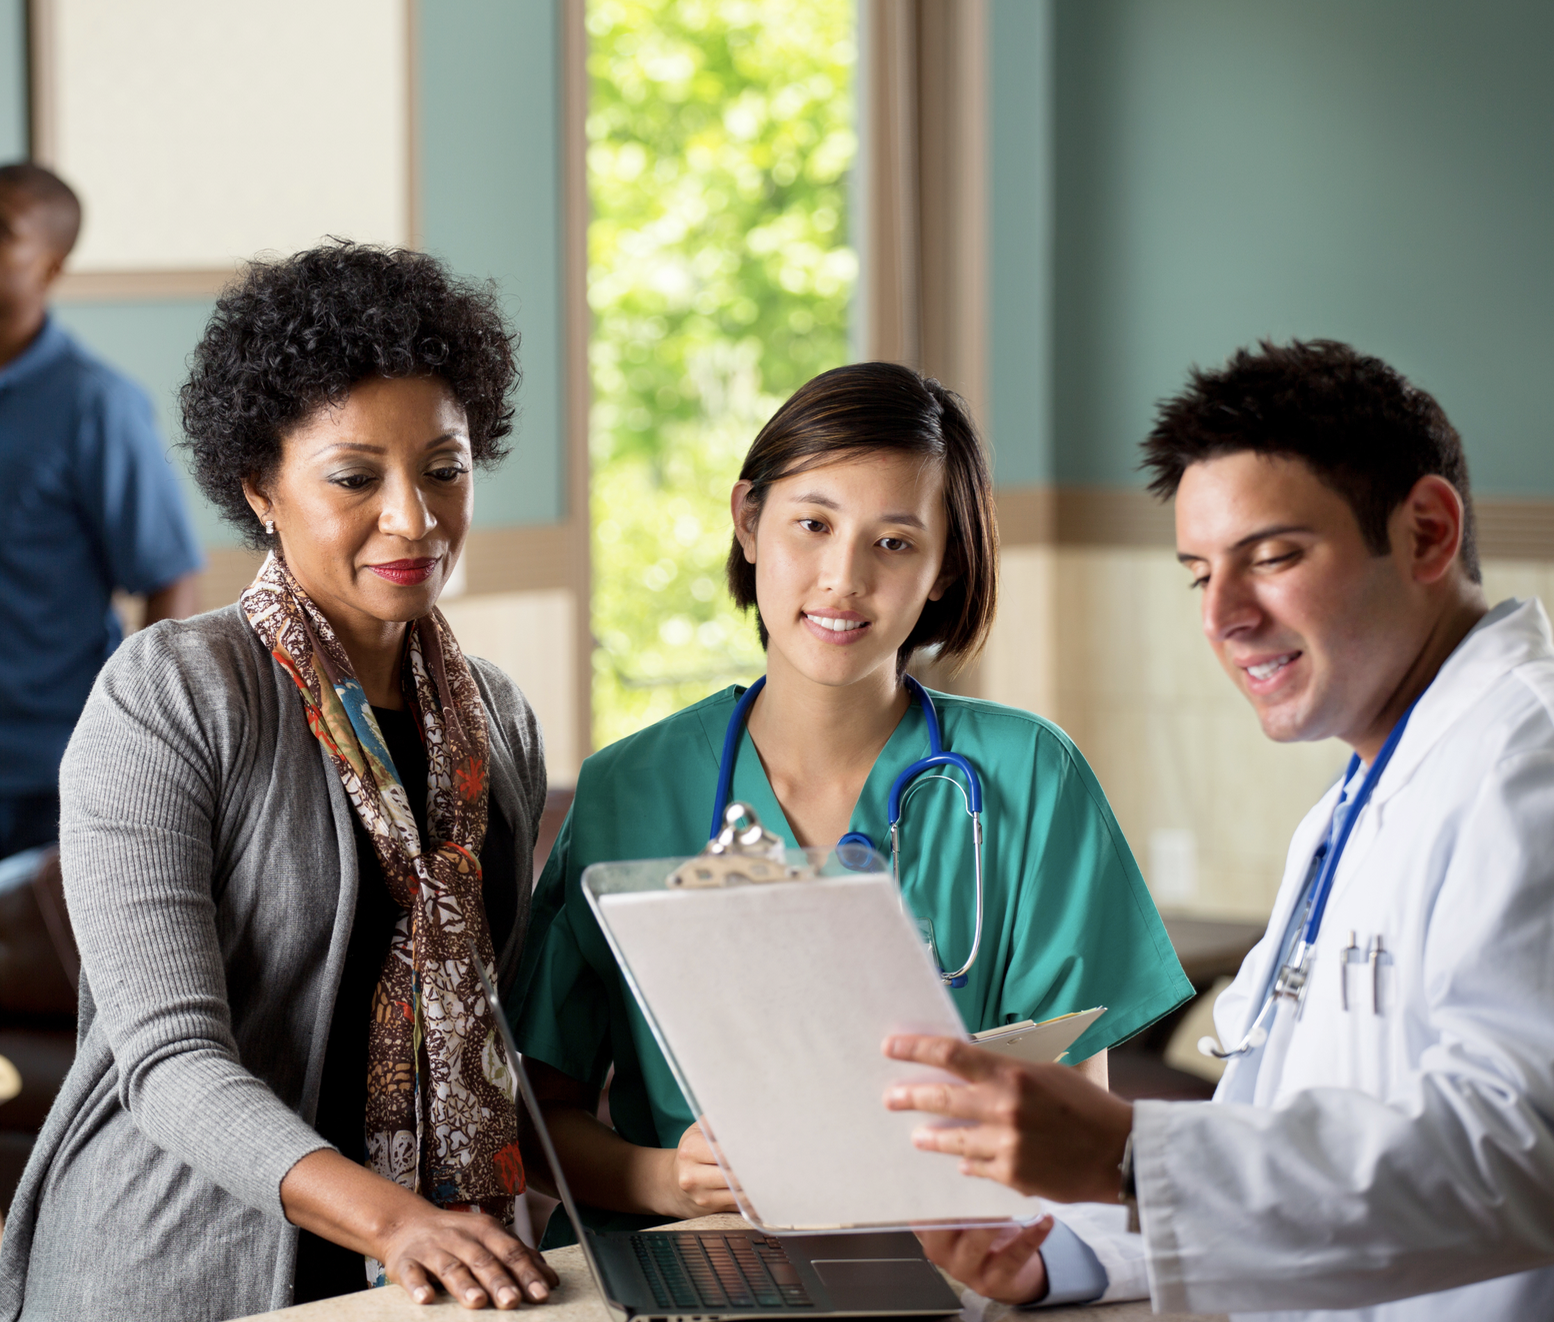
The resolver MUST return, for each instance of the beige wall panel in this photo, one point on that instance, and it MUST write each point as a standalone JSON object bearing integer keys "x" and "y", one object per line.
{"x": 530, "y": 635}
{"x": 1018, "y": 665}
{"x": 200, "y": 132}
{"x": 1519, "y": 578}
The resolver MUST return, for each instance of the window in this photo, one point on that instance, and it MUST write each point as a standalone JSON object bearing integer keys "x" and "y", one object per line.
{"x": 720, "y": 274}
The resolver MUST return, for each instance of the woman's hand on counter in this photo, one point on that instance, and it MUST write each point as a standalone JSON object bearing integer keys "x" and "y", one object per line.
{"x": 477, "y": 1261}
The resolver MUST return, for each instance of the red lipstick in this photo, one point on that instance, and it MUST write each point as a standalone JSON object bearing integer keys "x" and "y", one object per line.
{"x": 406, "y": 573}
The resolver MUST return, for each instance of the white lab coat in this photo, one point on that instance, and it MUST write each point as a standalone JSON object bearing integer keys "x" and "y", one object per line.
{"x": 1410, "y": 1151}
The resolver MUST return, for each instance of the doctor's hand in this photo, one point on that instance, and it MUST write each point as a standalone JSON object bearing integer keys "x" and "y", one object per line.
{"x": 1040, "y": 1129}
{"x": 1003, "y": 1263}
{"x": 699, "y": 1184}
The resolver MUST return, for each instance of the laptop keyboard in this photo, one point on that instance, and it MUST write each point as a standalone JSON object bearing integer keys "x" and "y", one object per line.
{"x": 689, "y": 1270}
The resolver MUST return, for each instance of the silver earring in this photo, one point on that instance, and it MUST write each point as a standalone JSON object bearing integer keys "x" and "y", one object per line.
{"x": 269, "y": 527}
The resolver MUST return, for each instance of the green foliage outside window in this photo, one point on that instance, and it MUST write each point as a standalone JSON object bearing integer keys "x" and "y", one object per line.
{"x": 720, "y": 135}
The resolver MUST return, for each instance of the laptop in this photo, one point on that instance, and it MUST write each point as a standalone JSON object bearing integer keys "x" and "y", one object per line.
{"x": 706, "y": 1276}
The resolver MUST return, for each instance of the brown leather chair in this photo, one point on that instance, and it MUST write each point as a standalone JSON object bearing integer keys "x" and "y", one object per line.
{"x": 39, "y": 973}
{"x": 557, "y": 804}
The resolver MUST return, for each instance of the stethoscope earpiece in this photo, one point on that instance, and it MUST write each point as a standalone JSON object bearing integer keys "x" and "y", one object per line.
{"x": 1208, "y": 1046}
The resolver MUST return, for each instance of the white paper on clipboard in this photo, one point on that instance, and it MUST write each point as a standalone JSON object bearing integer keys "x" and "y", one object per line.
{"x": 772, "y": 1002}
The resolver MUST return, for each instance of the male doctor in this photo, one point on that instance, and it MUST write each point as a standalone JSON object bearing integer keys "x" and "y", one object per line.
{"x": 1382, "y": 1143}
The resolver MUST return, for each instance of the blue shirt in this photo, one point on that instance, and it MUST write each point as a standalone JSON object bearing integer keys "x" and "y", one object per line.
{"x": 90, "y": 504}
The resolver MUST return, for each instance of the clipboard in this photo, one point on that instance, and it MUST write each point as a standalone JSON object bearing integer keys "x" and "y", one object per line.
{"x": 770, "y": 1000}
{"x": 1038, "y": 1044}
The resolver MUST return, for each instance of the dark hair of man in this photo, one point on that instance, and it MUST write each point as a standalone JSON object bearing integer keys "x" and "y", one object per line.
{"x": 863, "y": 409}
{"x": 1357, "y": 423}
{"x": 295, "y": 334}
{"x": 60, "y": 206}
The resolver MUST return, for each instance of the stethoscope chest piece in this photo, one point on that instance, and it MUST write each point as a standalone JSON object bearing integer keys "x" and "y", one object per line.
{"x": 855, "y": 851}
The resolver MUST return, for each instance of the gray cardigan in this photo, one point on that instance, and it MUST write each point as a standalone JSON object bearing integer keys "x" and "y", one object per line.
{"x": 210, "y": 868}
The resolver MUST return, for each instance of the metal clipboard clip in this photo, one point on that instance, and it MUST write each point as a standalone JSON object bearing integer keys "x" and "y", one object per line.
{"x": 737, "y": 857}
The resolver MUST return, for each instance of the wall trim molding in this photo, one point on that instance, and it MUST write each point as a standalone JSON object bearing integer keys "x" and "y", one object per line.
{"x": 1515, "y": 529}
{"x": 1027, "y": 516}
{"x": 132, "y": 286}
{"x": 1083, "y": 516}
{"x": 1121, "y": 516}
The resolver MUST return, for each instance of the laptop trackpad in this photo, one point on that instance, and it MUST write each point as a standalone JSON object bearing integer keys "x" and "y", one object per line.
{"x": 880, "y": 1285}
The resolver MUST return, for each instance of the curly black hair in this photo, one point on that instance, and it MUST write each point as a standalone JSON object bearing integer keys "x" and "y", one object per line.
{"x": 1364, "y": 429}
{"x": 295, "y": 334}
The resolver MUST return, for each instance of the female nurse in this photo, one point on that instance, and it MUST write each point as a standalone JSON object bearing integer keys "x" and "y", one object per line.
{"x": 864, "y": 532}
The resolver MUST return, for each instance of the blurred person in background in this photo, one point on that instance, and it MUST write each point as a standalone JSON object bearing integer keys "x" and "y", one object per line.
{"x": 282, "y": 825}
{"x": 91, "y": 506}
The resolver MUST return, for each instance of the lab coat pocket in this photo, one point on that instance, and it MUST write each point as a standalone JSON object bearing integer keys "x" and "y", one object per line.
{"x": 1371, "y": 1018}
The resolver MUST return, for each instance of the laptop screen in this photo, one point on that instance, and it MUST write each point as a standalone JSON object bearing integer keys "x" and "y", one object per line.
{"x": 526, "y": 1091}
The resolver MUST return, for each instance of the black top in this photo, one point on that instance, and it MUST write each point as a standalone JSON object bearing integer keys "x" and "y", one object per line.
{"x": 325, "y": 1269}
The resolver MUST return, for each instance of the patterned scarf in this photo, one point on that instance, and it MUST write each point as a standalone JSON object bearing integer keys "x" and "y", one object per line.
{"x": 441, "y": 1114}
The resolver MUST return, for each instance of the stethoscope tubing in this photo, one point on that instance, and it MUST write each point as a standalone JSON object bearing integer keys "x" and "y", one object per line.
{"x": 1324, "y": 886}
{"x": 731, "y": 738}
{"x": 938, "y": 756}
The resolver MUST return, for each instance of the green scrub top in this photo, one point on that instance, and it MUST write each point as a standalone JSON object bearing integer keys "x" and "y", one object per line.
{"x": 1069, "y": 924}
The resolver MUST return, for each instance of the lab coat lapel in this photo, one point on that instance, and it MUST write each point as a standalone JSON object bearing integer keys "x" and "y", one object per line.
{"x": 1241, "y": 1073}
{"x": 1297, "y": 869}
{"x": 1513, "y": 633}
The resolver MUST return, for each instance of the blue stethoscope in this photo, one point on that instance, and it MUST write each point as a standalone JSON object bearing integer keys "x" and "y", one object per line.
{"x": 1295, "y": 972}
{"x": 855, "y": 842}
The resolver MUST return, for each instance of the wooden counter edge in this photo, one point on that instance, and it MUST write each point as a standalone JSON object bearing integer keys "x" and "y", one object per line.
{"x": 577, "y": 1299}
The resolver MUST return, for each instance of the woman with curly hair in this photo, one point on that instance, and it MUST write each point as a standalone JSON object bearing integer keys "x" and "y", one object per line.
{"x": 283, "y": 825}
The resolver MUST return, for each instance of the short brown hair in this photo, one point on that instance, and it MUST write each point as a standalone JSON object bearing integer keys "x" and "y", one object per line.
{"x": 866, "y": 407}
{"x": 1360, "y": 425}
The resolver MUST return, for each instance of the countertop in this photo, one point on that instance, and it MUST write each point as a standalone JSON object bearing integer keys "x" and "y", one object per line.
{"x": 578, "y": 1301}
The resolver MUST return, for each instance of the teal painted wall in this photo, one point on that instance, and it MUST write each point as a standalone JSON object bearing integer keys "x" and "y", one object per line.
{"x": 1021, "y": 216}
{"x": 490, "y": 199}
{"x": 490, "y": 206}
{"x": 13, "y": 80}
{"x": 1379, "y": 171}
{"x": 152, "y": 342}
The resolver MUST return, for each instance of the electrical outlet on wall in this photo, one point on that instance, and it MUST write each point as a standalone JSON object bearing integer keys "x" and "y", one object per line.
{"x": 1173, "y": 865}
